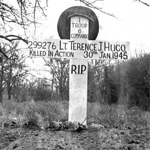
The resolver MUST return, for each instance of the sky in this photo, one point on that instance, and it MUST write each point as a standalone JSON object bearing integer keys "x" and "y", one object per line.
{"x": 131, "y": 24}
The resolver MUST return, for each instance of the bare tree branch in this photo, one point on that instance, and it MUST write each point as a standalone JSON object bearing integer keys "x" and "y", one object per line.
{"x": 91, "y": 5}
{"x": 24, "y": 16}
{"x": 144, "y": 3}
{"x": 1, "y": 51}
{"x": 12, "y": 38}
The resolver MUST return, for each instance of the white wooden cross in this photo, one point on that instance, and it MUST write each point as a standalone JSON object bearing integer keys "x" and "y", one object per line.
{"x": 78, "y": 49}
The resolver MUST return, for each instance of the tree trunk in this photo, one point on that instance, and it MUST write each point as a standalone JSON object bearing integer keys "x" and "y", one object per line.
{"x": 1, "y": 82}
{"x": 107, "y": 86}
{"x": 1, "y": 96}
{"x": 9, "y": 83}
{"x": 52, "y": 89}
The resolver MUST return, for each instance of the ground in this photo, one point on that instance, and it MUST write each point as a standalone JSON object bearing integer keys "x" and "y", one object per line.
{"x": 91, "y": 139}
{"x": 40, "y": 126}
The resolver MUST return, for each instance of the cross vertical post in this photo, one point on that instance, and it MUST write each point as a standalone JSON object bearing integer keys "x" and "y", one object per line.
{"x": 78, "y": 74}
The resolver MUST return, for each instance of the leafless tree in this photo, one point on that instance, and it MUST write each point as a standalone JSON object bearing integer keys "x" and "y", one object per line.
{"x": 20, "y": 14}
{"x": 59, "y": 69}
{"x": 13, "y": 70}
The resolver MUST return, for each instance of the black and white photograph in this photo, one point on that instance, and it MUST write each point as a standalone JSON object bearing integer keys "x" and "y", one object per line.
{"x": 74, "y": 74}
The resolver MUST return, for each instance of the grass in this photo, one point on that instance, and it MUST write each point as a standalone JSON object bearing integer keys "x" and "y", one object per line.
{"x": 117, "y": 116}
{"x": 42, "y": 113}
{"x": 39, "y": 112}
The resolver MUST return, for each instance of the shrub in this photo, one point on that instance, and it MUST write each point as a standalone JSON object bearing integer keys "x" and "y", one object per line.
{"x": 41, "y": 94}
{"x": 138, "y": 76}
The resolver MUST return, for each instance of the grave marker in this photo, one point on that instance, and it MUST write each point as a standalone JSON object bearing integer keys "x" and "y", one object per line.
{"x": 77, "y": 27}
